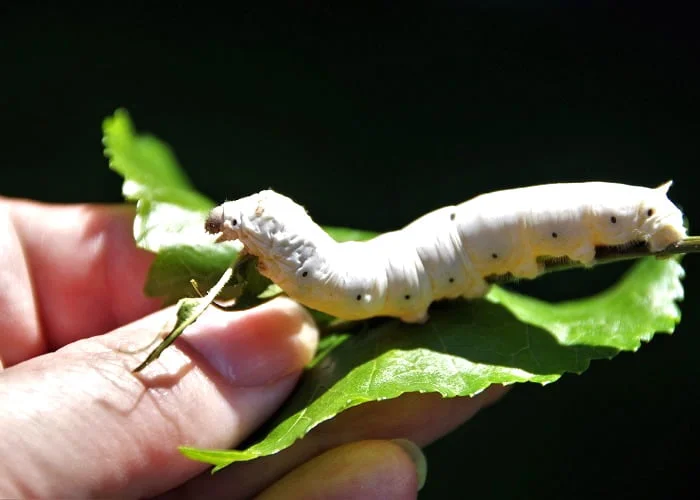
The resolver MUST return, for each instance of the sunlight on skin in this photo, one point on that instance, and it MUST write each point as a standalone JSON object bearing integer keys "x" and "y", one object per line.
{"x": 84, "y": 258}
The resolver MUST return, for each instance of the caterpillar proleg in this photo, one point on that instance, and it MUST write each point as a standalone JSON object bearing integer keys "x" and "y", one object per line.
{"x": 446, "y": 253}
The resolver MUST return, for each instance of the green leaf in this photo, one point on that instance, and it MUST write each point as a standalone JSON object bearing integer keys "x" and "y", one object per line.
{"x": 169, "y": 211}
{"x": 148, "y": 166}
{"x": 254, "y": 288}
{"x": 173, "y": 268}
{"x": 160, "y": 225}
{"x": 468, "y": 345}
{"x": 347, "y": 234}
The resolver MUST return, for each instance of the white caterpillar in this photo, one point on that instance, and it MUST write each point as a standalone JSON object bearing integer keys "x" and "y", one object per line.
{"x": 446, "y": 253}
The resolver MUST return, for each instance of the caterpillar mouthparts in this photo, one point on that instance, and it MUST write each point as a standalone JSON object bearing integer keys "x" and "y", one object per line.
{"x": 215, "y": 220}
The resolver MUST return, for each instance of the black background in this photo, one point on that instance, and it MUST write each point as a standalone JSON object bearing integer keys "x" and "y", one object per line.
{"x": 371, "y": 118}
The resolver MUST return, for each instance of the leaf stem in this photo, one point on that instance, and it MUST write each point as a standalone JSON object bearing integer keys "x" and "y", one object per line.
{"x": 608, "y": 255}
{"x": 189, "y": 310}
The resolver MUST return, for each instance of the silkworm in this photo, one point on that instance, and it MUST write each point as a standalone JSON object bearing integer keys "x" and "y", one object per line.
{"x": 447, "y": 253}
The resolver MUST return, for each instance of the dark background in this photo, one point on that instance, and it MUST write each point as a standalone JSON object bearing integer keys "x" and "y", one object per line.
{"x": 371, "y": 118}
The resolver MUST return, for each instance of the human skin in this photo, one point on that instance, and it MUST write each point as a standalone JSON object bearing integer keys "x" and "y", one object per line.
{"x": 76, "y": 422}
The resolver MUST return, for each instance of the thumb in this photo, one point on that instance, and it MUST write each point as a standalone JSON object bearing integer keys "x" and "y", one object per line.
{"x": 78, "y": 422}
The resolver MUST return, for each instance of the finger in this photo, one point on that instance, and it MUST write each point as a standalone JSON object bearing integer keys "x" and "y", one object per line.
{"x": 420, "y": 418}
{"x": 365, "y": 469}
{"x": 81, "y": 275}
{"x": 20, "y": 331}
{"x": 78, "y": 423}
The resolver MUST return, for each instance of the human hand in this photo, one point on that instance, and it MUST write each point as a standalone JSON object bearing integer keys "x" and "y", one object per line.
{"x": 76, "y": 421}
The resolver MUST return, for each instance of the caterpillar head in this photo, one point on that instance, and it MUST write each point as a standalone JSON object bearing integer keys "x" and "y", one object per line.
{"x": 226, "y": 219}
{"x": 264, "y": 222}
{"x": 215, "y": 220}
{"x": 235, "y": 219}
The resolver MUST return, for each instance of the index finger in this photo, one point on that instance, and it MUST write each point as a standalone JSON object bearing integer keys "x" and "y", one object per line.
{"x": 84, "y": 276}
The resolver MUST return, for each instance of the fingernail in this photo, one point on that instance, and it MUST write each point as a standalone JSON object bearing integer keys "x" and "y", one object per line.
{"x": 257, "y": 346}
{"x": 417, "y": 457}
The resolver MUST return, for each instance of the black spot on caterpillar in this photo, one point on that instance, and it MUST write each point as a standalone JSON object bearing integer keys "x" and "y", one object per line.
{"x": 446, "y": 253}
